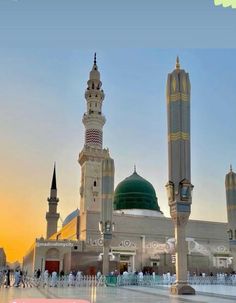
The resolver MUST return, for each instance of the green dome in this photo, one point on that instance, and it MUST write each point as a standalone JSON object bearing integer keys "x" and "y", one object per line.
{"x": 135, "y": 192}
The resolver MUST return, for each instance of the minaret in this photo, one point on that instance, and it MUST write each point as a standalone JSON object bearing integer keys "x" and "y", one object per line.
{"x": 179, "y": 186}
{"x": 92, "y": 154}
{"x": 230, "y": 187}
{"x": 52, "y": 216}
{"x": 93, "y": 119}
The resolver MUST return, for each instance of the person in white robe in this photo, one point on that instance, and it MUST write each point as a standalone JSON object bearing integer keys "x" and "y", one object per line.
{"x": 54, "y": 278}
{"x": 45, "y": 278}
{"x": 71, "y": 279}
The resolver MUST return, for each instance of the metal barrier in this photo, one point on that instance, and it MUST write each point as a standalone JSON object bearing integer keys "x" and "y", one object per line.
{"x": 153, "y": 281}
{"x": 69, "y": 281}
{"x": 121, "y": 280}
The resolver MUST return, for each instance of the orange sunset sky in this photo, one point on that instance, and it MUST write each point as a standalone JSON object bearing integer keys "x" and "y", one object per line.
{"x": 44, "y": 68}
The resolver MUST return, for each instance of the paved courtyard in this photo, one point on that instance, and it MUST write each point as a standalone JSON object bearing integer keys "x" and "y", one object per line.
{"x": 205, "y": 293}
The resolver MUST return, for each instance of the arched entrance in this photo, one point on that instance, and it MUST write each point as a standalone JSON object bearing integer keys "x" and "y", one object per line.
{"x": 52, "y": 260}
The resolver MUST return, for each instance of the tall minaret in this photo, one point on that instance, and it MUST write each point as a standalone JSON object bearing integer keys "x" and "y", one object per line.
{"x": 230, "y": 187}
{"x": 52, "y": 216}
{"x": 179, "y": 186}
{"x": 92, "y": 153}
{"x": 93, "y": 119}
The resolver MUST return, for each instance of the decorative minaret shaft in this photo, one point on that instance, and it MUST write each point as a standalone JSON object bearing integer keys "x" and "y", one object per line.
{"x": 92, "y": 154}
{"x": 106, "y": 224}
{"x": 179, "y": 186}
{"x": 52, "y": 216}
{"x": 93, "y": 119}
{"x": 230, "y": 187}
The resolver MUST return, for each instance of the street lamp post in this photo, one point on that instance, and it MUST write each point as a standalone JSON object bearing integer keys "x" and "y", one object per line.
{"x": 179, "y": 187}
{"x": 106, "y": 225}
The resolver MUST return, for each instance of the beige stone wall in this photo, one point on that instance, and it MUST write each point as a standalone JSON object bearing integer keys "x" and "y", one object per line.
{"x": 144, "y": 239}
{"x": 143, "y": 234}
{"x": 44, "y": 250}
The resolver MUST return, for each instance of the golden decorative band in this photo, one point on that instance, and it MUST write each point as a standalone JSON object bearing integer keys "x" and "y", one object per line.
{"x": 230, "y": 187}
{"x": 231, "y": 207}
{"x": 178, "y": 97}
{"x": 107, "y": 196}
{"x": 108, "y": 174}
{"x": 178, "y": 136}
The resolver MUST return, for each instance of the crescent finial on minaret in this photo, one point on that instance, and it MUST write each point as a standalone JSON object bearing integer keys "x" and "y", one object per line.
{"x": 177, "y": 65}
{"x": 230, "y": 167}
{"x": 134, "y": 168}
{"x": 95, "y": 59}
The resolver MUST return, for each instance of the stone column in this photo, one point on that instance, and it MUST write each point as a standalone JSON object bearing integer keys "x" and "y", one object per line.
{"x": 106, "y": 257}
{"x": 181, "y": 250}
{"x": 106, "y": 225}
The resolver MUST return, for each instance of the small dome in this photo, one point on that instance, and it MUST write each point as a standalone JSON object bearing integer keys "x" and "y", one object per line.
{"x": 135, "y": 192}
{"x": 70, "y": 217}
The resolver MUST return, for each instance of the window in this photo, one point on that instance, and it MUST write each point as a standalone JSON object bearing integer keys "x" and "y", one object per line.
{"x": 94, "y": 183}
{"x": 230, "y": 233}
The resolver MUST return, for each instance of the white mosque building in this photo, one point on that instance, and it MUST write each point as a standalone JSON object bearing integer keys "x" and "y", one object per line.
{"x": 143, "y": 238}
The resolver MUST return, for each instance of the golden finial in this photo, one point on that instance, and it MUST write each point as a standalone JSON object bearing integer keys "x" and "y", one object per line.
{"x": 177, "y": 65}
{"x": 134, "y": 168}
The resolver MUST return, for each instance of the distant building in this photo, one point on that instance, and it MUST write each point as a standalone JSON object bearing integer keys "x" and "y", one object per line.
{"x": 143, "y": 238}
{"x": 2, "y": 257}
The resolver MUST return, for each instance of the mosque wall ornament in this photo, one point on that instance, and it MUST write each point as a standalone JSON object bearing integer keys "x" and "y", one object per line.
{"x": 95, "y": 242}
{"x": 184, "y": 84}
{"x": 127, "y": 243}
{"x": 173, "y": 84}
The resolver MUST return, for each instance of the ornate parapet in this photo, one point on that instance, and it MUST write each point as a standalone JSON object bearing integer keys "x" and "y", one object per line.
{"x": 92, "y": 154}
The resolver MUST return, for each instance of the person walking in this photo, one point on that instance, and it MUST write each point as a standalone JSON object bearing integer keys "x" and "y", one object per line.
{"x": 7, "y": 277}
{"x": 45, "y": 278}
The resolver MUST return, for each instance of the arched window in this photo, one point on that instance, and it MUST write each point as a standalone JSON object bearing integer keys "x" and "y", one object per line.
{"x": 94, "y": 183}
{"x": 53, "y": 254}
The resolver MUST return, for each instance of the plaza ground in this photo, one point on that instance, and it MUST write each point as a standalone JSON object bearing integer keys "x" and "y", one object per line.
{"x": 137, "y": 294}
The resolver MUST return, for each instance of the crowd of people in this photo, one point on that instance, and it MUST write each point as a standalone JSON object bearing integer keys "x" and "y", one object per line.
{"x": 18, "y": 278}
{"x": 55, "y": 279}
{"x": 151, "y": 278}
{"x": 10, "y": 277}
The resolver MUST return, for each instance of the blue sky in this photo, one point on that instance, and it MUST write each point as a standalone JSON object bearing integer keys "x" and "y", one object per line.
{"x": 42, "y": 98}
{"x": 84, "y": 24}
{"x": 46, "y": 53}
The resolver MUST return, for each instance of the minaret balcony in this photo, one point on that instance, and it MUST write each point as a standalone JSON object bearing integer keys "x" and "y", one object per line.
{"x": 96, "y": 95}
{"x": 53, "y": 200}
{"x": 94, "y": 117}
